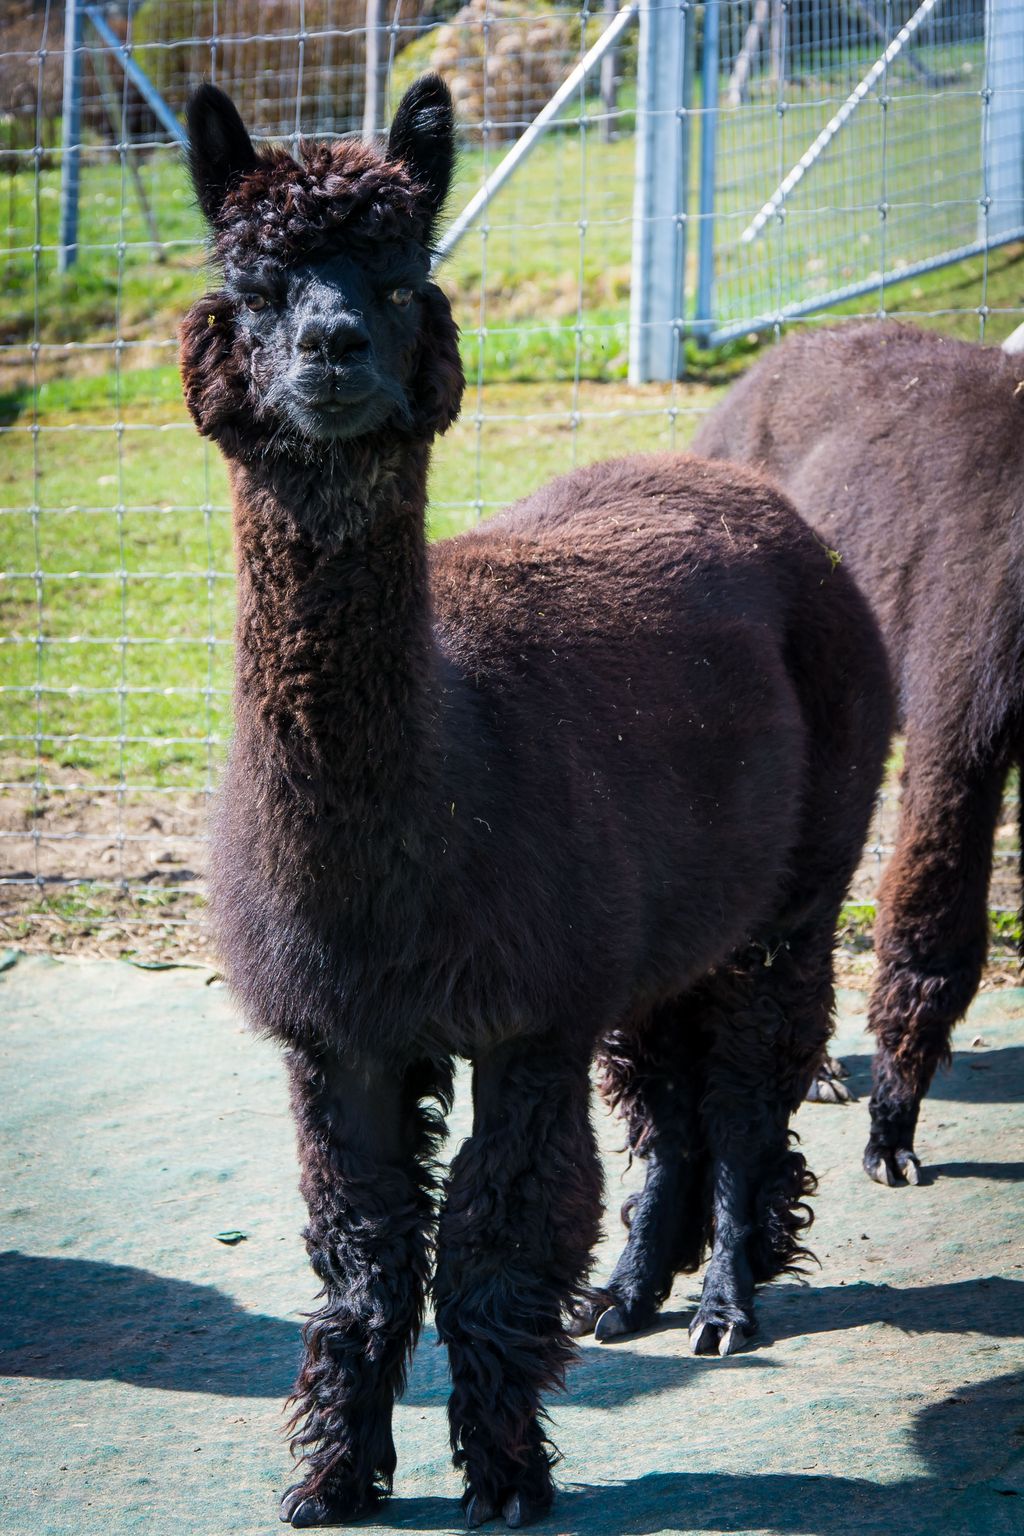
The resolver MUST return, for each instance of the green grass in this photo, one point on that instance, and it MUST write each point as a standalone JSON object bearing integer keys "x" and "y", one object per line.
{"x": 542, "y": 287}
{"x": 128, "y": 523}
{"x": 171, "y": 537}
{"x": 1005, "y": 930}
{"x": 132, "y": 533}
{"x": 521, "y": 283}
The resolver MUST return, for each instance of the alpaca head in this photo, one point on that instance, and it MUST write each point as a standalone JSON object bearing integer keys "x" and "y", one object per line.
{"x": 327, "y": 332}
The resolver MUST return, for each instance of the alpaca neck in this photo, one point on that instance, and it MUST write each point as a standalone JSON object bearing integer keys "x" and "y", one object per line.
{"x": 335, "y": 663}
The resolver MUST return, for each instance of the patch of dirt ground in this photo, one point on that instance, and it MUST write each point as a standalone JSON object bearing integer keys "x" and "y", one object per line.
{"x": 100, "y": 870}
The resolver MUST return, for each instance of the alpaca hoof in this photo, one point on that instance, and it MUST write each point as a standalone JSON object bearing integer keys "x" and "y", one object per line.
{"x": 302, "y": 1510}
{"x": 703, "y": 1339}
{"x": 892, "y": 1166}
{"x": 827, "y": 1086}
{"x": 708, "y": 1336}
{"x": 610, "y": 1325}
{"x": 520, "y": 1510}
{"x": 478, "y": 1511}
{"x": 517, "y": 1509}
{"x": 311, "y": 1511}
{"x": 582, "y": 1323}
{"x": 587, "y": 1312}
{"x": 731, "y": 1340}
{"x": 290, "y": 1501}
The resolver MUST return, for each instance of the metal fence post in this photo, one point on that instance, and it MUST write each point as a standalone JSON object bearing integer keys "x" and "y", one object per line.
{"x": 704, "y": 320}
{"x": 1002, "y": 211}
{"x": 372, "y": 93}
{"x": 71, "y": 135}
{"x": 609, "y": 80}
{"x": 657, "y": 306}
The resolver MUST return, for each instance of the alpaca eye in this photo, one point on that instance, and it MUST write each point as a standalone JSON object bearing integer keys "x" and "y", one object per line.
{"x": 402, "y": 297}
{"x": 255, "y": 302}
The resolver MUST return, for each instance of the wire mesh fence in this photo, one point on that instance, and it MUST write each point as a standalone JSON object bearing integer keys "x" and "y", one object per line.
{"x": 116, "y": 597}
{"x": 853, "y": 183}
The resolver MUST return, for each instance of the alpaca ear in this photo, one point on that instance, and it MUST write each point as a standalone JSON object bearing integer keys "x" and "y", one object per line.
{"x": 423, "y": 137}
{"x": 219, "y": 148}
{"x": 214, "y": 381}
{"x": 438, "y": 382}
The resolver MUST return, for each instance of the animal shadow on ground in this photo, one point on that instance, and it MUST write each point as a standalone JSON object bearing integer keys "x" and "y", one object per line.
{"x": 992, "y": 1305}
{"x": 76, "y": 1319}
{"x": 969, "y": 1442}
{"x": 975, "y": 1077}
{"x": 83, "y": 1320}
{"x": 1011, "y": 1173}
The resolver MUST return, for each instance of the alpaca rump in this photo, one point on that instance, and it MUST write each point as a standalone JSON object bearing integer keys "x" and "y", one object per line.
{"x": 590, "y": 778}
{"x": 905, "y": 450}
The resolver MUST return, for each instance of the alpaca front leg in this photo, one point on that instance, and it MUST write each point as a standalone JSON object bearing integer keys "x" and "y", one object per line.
{"x": 366, "y": 1140}
{"x": 519, "y": 1221}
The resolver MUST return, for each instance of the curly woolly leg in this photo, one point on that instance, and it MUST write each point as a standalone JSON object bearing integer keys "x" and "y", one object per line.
{"x": 653, "y": 1076}
{"x": 366, "y": 1142}
{"x": 769, "y": 1017}
{"x": 520, "y": 1217}
{"x": 931, "y": 939}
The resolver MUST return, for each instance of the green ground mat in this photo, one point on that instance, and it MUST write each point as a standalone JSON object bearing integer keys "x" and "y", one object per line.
{"x": 145, "y": 1363}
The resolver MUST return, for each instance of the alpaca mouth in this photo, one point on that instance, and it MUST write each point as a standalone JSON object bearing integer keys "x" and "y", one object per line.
{"x": 343, "y": 411}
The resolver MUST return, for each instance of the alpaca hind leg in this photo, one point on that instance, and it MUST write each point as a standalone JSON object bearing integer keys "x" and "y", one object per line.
{"x": 769, "y": 1016}
{"x": 520, "y": 1217}
{"x": 931, "y": 939}
{"x": 651, "y": 1074}
{"x": 366, "y": 1143}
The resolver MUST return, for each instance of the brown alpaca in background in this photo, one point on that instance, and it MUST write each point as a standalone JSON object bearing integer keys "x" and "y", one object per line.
{"x": 592, "y": 777}
{"x": 905, "y": 450}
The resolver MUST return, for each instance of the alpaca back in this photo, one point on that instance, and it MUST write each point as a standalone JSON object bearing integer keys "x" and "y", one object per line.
{"x": 905, "y": 450}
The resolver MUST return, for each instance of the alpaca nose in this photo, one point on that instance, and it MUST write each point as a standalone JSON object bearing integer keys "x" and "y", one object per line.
{"x": 334, "y": 340}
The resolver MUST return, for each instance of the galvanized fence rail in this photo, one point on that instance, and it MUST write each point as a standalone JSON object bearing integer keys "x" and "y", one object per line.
{"x": 829, "y": 151}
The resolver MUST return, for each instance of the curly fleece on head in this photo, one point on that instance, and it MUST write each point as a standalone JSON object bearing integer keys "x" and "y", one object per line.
{"x": 290, "y": 208}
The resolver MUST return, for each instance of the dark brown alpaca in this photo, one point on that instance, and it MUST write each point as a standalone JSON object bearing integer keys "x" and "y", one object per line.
{"x": 592, "y": 777}
{"x": 905, "y": 450}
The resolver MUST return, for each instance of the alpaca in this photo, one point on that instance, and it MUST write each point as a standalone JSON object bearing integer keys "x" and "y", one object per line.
{"x": 905, "y": 450}
{"x": 591, "y": 778}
